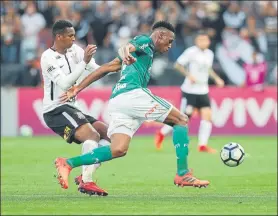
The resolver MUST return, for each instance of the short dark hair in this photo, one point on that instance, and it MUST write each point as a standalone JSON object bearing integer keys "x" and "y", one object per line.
{"x": 164, "y": 24}
{"x": 201, "y": 32}
{"x": 60, "y": 26}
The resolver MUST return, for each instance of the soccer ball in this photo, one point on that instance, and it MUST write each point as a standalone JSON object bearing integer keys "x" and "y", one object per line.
{"x": 26, "y": 130}
{"x": 232, "y": 154}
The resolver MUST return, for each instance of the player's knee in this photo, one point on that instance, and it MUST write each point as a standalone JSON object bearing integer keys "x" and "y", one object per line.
{"x": 189, "y": 110}
{"x": 119, "y": 151}
{"x": 182, "y": 120}
{"x": 95, "y": 136}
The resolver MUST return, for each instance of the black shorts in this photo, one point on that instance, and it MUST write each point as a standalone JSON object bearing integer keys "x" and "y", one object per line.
{"x": 65, "y": 119}
{"x": 191, "y": 101}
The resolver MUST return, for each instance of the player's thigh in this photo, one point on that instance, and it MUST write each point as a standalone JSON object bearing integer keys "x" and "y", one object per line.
{"x": 70, "y": 123}
{"x": 204, "y": 107}
{"x": 102, "y": 129}
{"x": 83, "y": 129}
{"x": 121, "y": 123}
{"x": 150, "y": 107}
{"x": 139, "y": 104}
{"x": 86, "y": 132}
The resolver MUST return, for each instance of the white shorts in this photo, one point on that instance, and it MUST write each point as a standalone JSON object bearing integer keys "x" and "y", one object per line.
{"x": 129, "y": 110}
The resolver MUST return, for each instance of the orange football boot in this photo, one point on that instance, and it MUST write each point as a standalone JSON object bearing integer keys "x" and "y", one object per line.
{"x": 63, "y": 171}
{"x": 159, "y": 137}
{"x": 189, "y": 180}
{"x": 205, "y": 148}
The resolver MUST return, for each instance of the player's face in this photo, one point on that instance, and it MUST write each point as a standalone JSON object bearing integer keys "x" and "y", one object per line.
{"x": 203, "y": 41}
{"x": 165, "y": 41}
{"x": 67, "y": 38}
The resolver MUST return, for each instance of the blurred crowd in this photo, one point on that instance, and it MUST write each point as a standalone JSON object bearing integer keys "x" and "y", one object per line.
{"x": 243, "y": 35}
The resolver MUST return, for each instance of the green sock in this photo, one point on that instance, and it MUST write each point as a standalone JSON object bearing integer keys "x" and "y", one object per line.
{"x": 181, "y": 141}
{"x": 98, "y": 155}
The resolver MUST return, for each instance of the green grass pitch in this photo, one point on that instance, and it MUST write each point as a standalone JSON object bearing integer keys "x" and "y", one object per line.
{"x": 141, "y": 182}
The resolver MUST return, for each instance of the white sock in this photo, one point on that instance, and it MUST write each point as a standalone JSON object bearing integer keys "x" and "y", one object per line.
{"x": 204, "y": 132}
{"x": 103, "y": 142}
{"x": 166, "y": 129}
{"x": 88, "y": 170}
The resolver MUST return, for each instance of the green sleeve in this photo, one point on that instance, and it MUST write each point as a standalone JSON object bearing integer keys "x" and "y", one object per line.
{"x": 119, "y": 57}
{"x": 140, "y": 42}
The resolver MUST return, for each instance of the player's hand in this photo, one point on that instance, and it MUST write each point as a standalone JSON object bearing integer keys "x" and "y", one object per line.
{"x": 89, "y": 52}
{"x": 69, "y": 94}
{"x": 219, "y": 82}
{"x": 192, "y": 79}
{"x": 126, "y": 55}
{"x": 130, "y": 60}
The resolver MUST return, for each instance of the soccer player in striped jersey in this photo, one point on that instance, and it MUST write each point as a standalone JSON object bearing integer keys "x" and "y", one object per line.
{"x": 62, "y": 65}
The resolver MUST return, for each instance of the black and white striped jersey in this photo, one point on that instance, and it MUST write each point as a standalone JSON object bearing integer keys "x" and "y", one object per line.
{"x": 55, "y": 66}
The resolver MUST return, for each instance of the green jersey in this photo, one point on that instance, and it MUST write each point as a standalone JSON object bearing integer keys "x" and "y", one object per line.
{"x": 136, "y": 75}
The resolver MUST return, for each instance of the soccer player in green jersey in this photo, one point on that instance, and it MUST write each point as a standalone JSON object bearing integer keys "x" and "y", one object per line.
{"x": 131, "y": 103}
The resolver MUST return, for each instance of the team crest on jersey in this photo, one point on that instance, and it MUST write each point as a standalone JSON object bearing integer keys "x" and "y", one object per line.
{"x": 67, "y": 132}
{"x": 80, "y": 115}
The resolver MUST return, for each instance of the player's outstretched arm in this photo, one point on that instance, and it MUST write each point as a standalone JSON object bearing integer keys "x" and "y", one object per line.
{"x": 112, "y": 66}
{"x": 125, "y": 53}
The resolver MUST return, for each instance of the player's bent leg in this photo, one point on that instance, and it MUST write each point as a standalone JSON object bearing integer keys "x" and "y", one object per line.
{"x": 88, "y": 147}
{"x": 166, "y": 129}
{"x": 85, "y": 181}
{"x": 86, "y": 132}
{"x": 119, "y": 144}
{"x": 181, "y": 141}
{"x": 205, "y": 130}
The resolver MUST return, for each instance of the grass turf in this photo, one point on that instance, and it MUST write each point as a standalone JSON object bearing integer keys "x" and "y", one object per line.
{"x": 141, "y": 182}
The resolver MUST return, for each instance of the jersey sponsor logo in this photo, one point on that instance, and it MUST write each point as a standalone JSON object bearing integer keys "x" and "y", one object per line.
{"x": 119, "y": 86}
{"x": 51, "y": 68}
{"x": 67, "y": 132}
{"x": 144, "y": 46}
